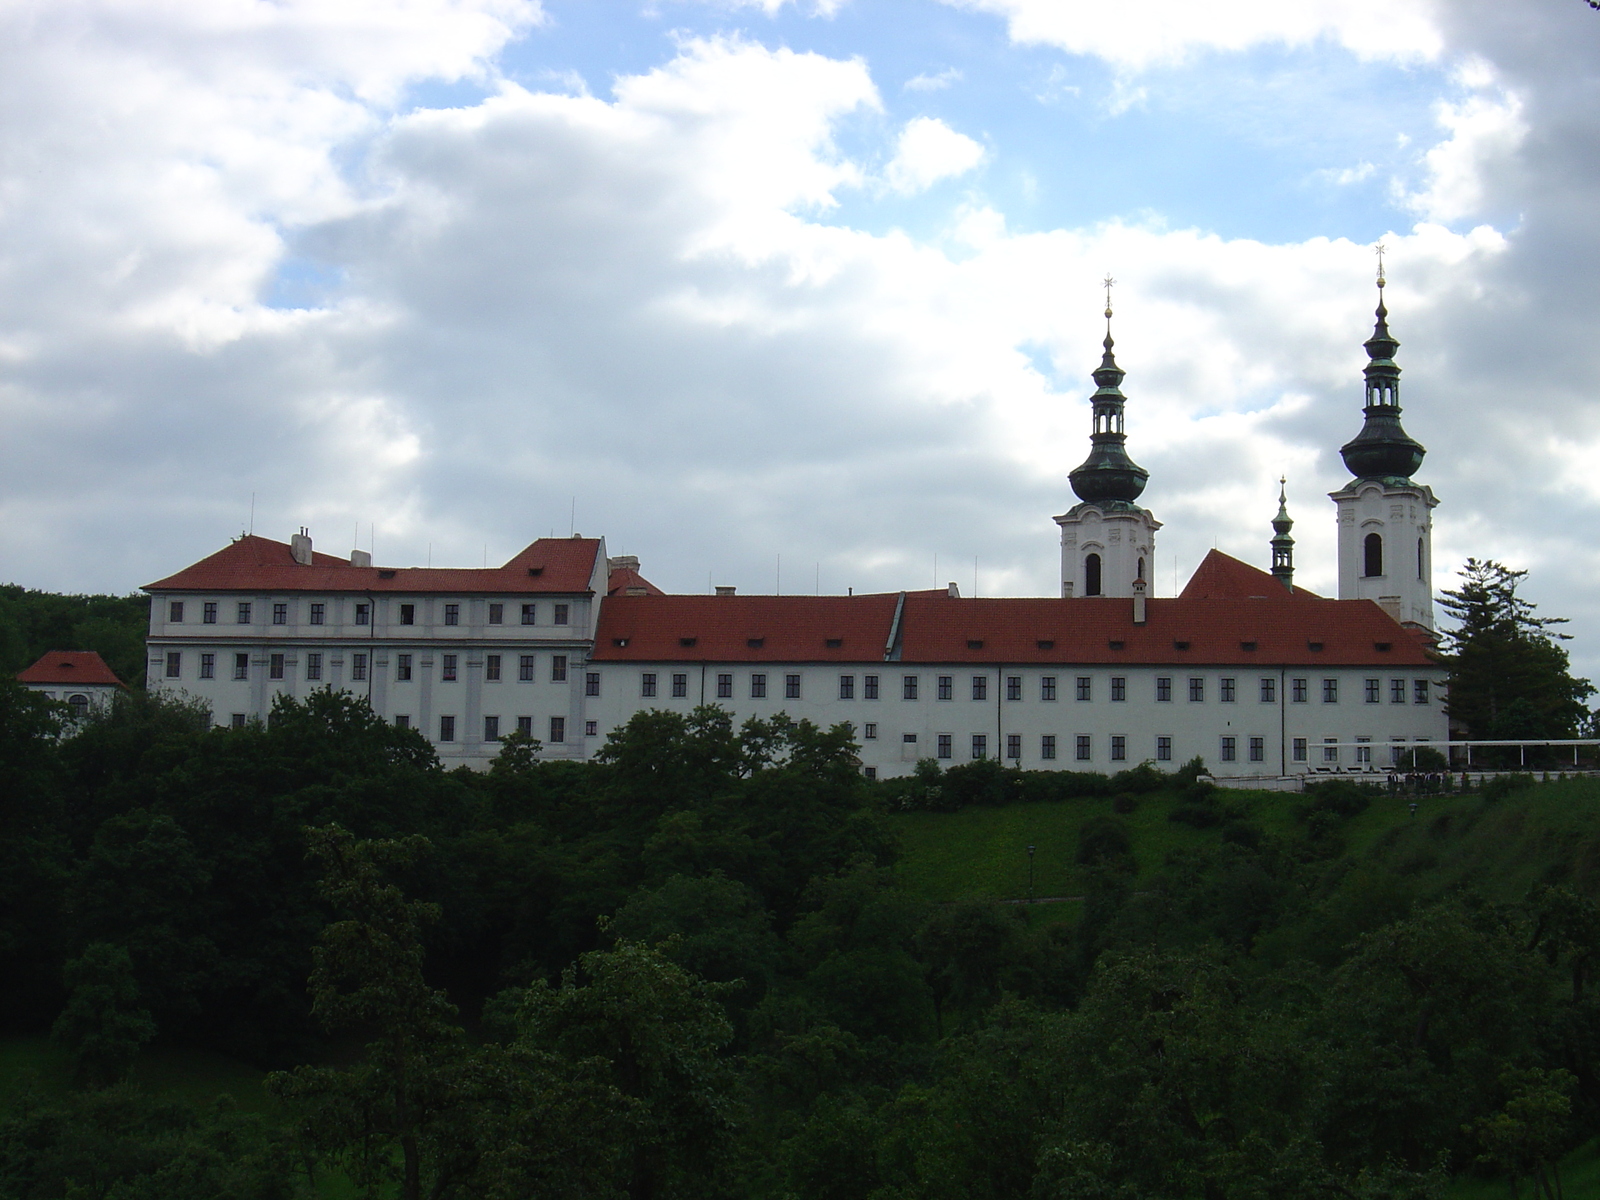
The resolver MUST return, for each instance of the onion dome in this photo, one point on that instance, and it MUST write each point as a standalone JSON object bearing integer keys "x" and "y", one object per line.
{"x": 1108, "y": 474}
{"x": 1382, "y": 449}
{"x": 1282, "y": 543}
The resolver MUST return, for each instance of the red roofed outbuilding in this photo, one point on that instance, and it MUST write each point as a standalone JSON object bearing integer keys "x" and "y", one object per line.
{"x": 79, "y": 678}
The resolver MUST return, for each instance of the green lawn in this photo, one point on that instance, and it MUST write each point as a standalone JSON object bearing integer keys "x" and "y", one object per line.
{"x": 1580, "y": 1177}
{"x": 196, "y": 1076}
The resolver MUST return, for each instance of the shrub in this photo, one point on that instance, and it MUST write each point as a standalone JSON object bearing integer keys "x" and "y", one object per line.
{"x": 1139, "y": 780}
{"x": 1339, "y": 797}
{"x": 1104, "y": 841}
{"x": 1197, "y": 816}
{"x": 1125, "y": 803}
{"x": 1502, "y": 786}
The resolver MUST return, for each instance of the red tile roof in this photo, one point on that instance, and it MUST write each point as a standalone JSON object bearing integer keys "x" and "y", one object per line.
{"x": 1222, "y": 577}
{"x": 625, "y": 581}
{"x": 936, "y": 628}
{"x": 257, "y": 564}
{"x": 745, "y": 628}
{"x": 65, "y": 667}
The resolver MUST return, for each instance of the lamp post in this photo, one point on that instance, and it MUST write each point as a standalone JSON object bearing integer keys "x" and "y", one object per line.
{"x": 1030, "y": 874}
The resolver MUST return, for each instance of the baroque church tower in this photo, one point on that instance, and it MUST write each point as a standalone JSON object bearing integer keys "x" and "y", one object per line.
{"x": 1385, "y": 517}
{"x": 1107, "y": 541}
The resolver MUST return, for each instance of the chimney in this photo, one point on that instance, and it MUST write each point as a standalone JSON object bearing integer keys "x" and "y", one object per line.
{"x": 953, "y": 591}
{"x": 1391, "y": 605}
{"x": 360, "y": 558}
{"x": 1138, "y": 602}
{"x": 724, "y": 590}
{"x": 300, "y": 547}
{"x": 623, "y": 562}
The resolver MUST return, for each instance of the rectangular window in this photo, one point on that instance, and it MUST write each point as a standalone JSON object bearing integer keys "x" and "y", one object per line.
{"x": 1163, "y": 688}
{"x": 1364, "y": 751}
{"x": 724, "y": 687}
{"x": 946, "y": 686}
{"x": 908, "y": 687}
{"x": 847, "y": 687}
{"x": 1083, "y": 747}
{"x": 528, "y": 613}
{"x": 1330, "y": 691}
{"x": 174, "y": 664}
{"x": 358, "y": 668}
{"x": 1419, "y": 691}
{"x": 1258, "y": 749}
{"x": 491, "y": 668}
{"x": 591, "y": 729}
{"x": 1047, "y": 688}
{"x": 1229, "y": 749}
{"x": 1197, "y": 688}
{"x": 1397, "y": 691}
{"x": 944, "y": 745}
{"x": 525, "y": 668}
{"x": 791, "y": 687}
{"x": 1013, "y": 687}
{"x": 1298, "y": 750}
{"x": 274, "y": 666}
{"x": 447, "y": 667}
{"x": 980, "y": 687}
{"x": 558, "y": 668}
{"x": 561, "y": 614}
{"x": 243, "y": 613}
{"x": 869, "y": 687}
{"x": 591, "y": 683}
{"x": 558, "y": 729}
{"x": 1119, "y": 748}
{"x": 1330, "y": 750}
{"x": 1013, "y": 746}
{"x": 525, "y": 726}
{"x": 869, "y": 731}
{"x": 402, "y": 666}
{"x": 447, "y": 729}
{"x": 314, "y": 666}
{"x": 241, "y": 666}
{"x": 497, "y": 614}
{"x": 1085, "y": 687}
{"x": 319, "y": 614}
{"x": 175, "y": 612}
{"x": 408, "y": 614}
{"x": 402, "y": 721}
{"x": 1225, "y": 691}
{"x": 491, "y": 729}
{"x": 208, "y": 612}
{"x": 363, "y": 614}
{"x": 680, "y": 686}
{"x": 1047, "y": 746}
{"x": 280, "y": 614}
{"x": 647, "y": 685}
{"x": 1269, "y": 690}
{"x": 452, "y": 614}
{"x": 980, "y": 746}
{"x": 1163, "y": 749}
{"x": 1119, "y": 689}
{"x": 871, "y": 773}
{"x": 1373, "y": 689}
{"x": 237, "y": 720}
{"x": 1297, "y": 690}
{"x": 208, "y": 666}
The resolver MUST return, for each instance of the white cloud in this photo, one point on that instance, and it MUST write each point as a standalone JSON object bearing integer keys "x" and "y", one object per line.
{"x": 1137, "y": 36}
{"x": 1347, "y": 176}
{"x": 928, "y": 151}
{"x": 1486, "y": 130}
{"x": 932, "y": 83}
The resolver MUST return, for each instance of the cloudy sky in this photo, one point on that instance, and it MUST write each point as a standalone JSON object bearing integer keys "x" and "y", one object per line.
{"x": 786, "y": 293}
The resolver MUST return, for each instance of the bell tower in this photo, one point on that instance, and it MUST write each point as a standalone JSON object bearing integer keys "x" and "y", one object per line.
{"x": 1385, "y": 517}
{"x": 1107, "y": 541}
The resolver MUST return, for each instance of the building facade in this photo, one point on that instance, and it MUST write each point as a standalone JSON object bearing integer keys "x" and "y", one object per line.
{"x": 79, "y": 679}
{"x": 1259, "y": 678}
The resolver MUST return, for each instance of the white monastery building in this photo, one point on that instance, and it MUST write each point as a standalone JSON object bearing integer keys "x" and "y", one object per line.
{"x": 1258, "y": 677}
{"x": 78, "y": 678}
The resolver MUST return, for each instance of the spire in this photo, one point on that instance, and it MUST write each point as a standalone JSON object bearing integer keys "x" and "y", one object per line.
{"x": 1108, "y": 474}
{"x": 1382, "y": 449}
{"x": 1282, "y": 543}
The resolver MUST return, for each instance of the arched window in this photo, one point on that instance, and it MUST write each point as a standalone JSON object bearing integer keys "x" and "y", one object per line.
{"x": 1091, "y": 575}
{"x": 79, "y": 703}
{"x": 1421, "y": 574}
{"x": 1373, "y": 546}
{"x": 1141, "y": 568}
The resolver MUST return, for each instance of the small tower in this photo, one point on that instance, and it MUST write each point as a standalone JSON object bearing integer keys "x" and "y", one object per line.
{"x": 1385, "y": 518}
{"x": 1107, "y": 541}
{"x": 1282, "y": 543}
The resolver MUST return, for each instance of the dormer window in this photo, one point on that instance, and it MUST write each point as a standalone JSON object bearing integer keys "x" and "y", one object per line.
{"x": 687, "y": 642}
{"x": 974, "y": 643}
{"x": 1314, "y": 645}
{"x": 834, "y": 643}
{"x": 1247, "y": 645}
{"x": 1180, "y": 645}
{"x": 755, "y": 643}
{"x": 1045, "y": 644}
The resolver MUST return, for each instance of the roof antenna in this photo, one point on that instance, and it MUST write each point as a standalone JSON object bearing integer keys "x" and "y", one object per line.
{"x": 572, "y": 524}
{"x": 252, "y": 514}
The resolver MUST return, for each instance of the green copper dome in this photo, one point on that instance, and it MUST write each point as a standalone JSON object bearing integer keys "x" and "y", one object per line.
{"x": 1382, "y": 449}
{"x": 1108, "y": 475}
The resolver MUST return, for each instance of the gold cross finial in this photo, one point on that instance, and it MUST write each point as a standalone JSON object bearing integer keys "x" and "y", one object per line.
{"x": 1379, "y": 250}
{"x": 1107, "y": 285}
